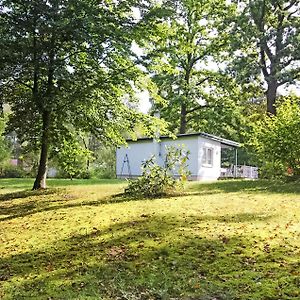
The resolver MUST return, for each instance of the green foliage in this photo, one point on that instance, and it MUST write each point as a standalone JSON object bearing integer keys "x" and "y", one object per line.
{"x": 157, "y": 180}
{"x": 265, "y": 42}
{"x": 72, "y": 158}
{"x": 276, "y": 140}
{"x": 184, "y": 40}
{"x": 70, "y": 65}
{"x": 28, "y": 160}
{"x": 10, "y": 171}
{"x": 104, "y": 164}
{"x": 4, "y": 145}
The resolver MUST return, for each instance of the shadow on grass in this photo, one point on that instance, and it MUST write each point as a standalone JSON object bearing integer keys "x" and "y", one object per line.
{"x": 36, "y": 204}
{"x": 153, "y": 258}
{"x": 60, "y": 201}
{"x": 26, "y": 194}
{"x": 27, "y": 183}
{"x": 249, "y": 186}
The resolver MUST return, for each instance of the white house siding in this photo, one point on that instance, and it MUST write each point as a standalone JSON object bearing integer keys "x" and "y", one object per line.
{"x": 188, "y": 143}
{"x": 141, "y": 150}
{"x": 137, "y": 153}
{"x": 209, "y": 172}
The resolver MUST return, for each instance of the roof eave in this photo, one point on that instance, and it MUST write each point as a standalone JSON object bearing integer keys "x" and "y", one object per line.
{"x": 202, "y": 134}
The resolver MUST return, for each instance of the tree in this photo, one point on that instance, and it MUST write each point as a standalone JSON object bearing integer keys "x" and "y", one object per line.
{"x": 184, "y": 39}
{"x": 4, "y": 147}
{"x": 266, "y": 45}
{"x": 67, "y": 65}
{"x": 276, "y": 140}
{"x": 72, "y": 157}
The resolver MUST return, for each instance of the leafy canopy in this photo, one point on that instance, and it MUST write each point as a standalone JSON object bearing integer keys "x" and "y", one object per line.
{"x": 185, "y": 38}
{"x": 68, "y": 66}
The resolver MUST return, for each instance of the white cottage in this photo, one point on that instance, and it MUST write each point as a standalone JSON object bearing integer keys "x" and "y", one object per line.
{"x": 204, "y": 159}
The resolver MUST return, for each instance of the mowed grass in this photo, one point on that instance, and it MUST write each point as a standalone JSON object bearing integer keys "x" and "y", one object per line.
{"x": 77, "y": 240}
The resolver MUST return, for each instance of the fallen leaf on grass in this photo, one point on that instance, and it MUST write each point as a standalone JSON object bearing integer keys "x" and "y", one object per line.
{"x": 117, "y": 252}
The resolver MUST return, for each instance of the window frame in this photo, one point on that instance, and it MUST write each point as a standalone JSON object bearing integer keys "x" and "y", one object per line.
{"x": 205, "y": 158}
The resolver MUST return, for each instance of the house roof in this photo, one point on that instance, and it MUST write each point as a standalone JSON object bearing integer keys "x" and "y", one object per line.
{"x": 202, "y": 134}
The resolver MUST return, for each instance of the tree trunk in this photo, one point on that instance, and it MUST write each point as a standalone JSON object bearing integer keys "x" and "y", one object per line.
{"x": 183, "y": 120}
{"x": 271, "y": 97}
{"x": 40, "y": 181}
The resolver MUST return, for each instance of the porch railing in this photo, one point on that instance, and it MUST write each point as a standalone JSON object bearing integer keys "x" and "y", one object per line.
{"x": 239, "y": 171}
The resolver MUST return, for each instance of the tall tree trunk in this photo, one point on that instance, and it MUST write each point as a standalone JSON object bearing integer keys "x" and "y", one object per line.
{"x": 183, "y": 111}
{"x": 271, "y": 97}
{"x": 183, "y": 120}
{"x": 40, "y": 181}
{"x": 86, "y": 146}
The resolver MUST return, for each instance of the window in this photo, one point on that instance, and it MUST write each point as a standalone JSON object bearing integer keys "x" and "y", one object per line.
{"x": 208, "y": 157}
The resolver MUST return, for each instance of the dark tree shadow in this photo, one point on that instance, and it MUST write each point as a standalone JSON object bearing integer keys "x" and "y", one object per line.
{"x": 35, "y": 201}
{"x": 27, "y": 194}
{"x": 249, "y": 186}
{"x": 61, "y": 201}
{"x": 155, "y": 257}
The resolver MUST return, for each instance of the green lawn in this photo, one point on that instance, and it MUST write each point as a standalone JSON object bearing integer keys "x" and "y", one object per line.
{"x": 226, "y": 240}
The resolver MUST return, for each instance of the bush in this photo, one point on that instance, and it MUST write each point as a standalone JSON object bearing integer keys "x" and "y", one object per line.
{"x": 276, "y": 140}
{"x": 271, "y": 170}
{"x": 103, "y": 173}
{"x": 72, "y": 158}
{"x": 10, "y": 171}
{"x": 104, "y": 165}
{"x": 157, "y": 181}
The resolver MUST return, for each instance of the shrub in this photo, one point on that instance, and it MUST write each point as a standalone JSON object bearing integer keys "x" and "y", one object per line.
{"x": 104, "y": 164}
{"x": 72, "y": 158}
{"x": 276, "y": 140}
{"x": 156, "y": 180}
{"x": 10, "y": 171}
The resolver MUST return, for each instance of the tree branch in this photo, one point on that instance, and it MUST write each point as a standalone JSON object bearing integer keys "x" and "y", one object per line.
{"x": 260, "y": 24}
{"x": 263, "y": 63}
{"x": 197, "y": 108}
{"x": 290, "y": 5}
{"x": 291, "y": 14}
{"x": 267, "y": 50}
{"x": 202, "y": 81}
{"x": 278, "y": 42}
{"x": 70, "y": 55}
{"x": 23, "y": 83}
{"x": 287, "y": 63}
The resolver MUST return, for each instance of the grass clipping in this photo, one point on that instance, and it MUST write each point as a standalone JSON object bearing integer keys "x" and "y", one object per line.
{"x": 157, "y": 181}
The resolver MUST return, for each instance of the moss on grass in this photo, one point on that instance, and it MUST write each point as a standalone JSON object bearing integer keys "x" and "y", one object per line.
{"x": 225, "y": 240}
